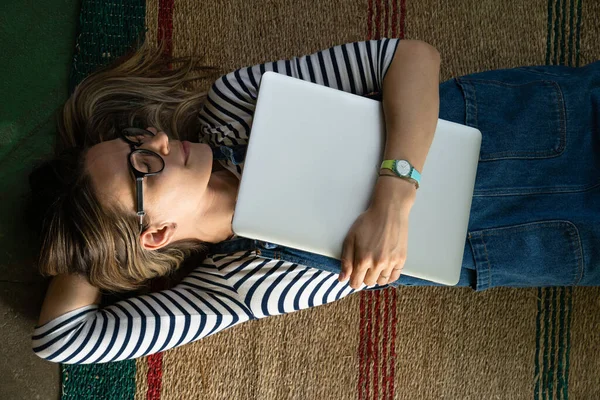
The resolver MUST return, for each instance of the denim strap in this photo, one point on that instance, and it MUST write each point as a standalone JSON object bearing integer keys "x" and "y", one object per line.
{"x": 236, "y": 154}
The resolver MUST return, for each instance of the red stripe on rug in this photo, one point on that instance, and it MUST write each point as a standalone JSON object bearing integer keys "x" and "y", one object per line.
{"x": 402, "y": 18}
{"x": 391, "y": 358}
{"x": 394, "y": 18}
{"x": 370, "y": 20}
{"x": 377, "y": 342}
{"x": 165, "y": 24}
{"x": 362, "y": 347}
{"x": 377, "y": 34}
{"x": 386, "y": 11}
{"x": 154, "y": 376}
{"x": 370, "y": 350}
{"x": 376, "y": 338}
{"x": 386, "y": 347}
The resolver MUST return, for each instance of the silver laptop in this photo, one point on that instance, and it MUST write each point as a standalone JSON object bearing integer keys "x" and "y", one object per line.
{"x": 311, "y": 166}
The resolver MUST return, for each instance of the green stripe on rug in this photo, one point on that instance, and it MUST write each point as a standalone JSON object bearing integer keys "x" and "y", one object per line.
{"x": 106, "y": 30}
{"x": 538, "y": 330}
{"x": 562, "y": 385}
{"x": 552, "y": 370}
{"x": 578, "y": 30}
{"x": 562, "y": 32}
{"x": 571, "y": 31}
{"x": 545, "y": 351}
{"x": 569, "y": 308}
{"x": 548, "y": 41}
{"x": 110, "y": 381}
{"x": 553, "y": 343}
{"x": 556, "y": 25}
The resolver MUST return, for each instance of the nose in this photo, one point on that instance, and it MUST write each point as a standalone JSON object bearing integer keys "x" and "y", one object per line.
{"x": 159, "y": 143}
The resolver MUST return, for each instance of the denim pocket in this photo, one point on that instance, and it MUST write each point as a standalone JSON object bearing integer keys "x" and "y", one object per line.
{"x": 551, "y": 70}
{"x": 308, "y": 259}
{"x": 546, "y": 253}
{"x": 518, "y": 120}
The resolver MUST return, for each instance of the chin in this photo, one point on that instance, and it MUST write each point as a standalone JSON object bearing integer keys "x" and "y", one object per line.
{"x": 200, "y": 153}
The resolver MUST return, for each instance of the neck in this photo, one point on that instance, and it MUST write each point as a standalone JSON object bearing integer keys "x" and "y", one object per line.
{"x": 221, "y": 193}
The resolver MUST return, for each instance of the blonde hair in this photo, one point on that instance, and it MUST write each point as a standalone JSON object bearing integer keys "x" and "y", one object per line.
{"x": 79, "y": 236}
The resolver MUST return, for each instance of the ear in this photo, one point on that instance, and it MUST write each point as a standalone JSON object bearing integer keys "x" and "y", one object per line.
{"x": 156, "y": 237}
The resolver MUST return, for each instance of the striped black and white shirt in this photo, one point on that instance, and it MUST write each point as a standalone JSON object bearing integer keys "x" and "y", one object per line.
{"x": 224, "y": 290}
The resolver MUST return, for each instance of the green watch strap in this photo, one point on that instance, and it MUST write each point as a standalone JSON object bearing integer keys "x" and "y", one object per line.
{"x": 413, "y": 174}
{"x": 389, "y": 164}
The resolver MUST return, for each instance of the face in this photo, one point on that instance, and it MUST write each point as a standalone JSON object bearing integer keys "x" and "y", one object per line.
{"x": 174, "y": 195}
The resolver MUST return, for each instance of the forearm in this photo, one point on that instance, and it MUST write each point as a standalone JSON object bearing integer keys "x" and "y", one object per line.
{"x": 139, "y": 325}
{"x": 411, "y": 108}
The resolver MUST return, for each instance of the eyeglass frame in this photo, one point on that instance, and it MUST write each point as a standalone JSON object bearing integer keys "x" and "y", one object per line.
{"x": 139, "y": 175}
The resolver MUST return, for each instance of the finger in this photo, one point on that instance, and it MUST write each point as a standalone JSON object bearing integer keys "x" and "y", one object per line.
{"x": 396, "y": 271}
{"x": 385, "y": 275}
{"x": 375, "y": 272}
{"x": 347, "y": 258}
{"x": 358, "y": 274}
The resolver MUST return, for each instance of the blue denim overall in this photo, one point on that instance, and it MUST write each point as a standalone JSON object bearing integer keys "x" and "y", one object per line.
{"x": 535, "y": 215}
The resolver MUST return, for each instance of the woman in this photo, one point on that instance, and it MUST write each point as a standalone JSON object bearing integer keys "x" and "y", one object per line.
{"x": 534, "y": 219}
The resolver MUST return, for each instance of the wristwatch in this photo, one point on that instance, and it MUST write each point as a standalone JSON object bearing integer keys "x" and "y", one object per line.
{"x": 403, "y": 169}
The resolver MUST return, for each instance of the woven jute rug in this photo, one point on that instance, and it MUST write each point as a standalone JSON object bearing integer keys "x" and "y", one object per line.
{"x": 410, "y": 343}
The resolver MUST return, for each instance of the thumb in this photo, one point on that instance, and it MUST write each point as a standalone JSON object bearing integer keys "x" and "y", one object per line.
{"x": 347, "y": 258}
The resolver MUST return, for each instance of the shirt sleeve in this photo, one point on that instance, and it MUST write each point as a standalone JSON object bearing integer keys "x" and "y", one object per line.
{"x": 358, "y": 68}
{"x": 201, "y": 305}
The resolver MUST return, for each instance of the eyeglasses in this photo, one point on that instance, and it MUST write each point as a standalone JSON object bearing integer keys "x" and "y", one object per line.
{"x": 142, "y": 162}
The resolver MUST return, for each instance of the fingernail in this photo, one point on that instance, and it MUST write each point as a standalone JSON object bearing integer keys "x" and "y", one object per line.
{"x": 342, "y": 276}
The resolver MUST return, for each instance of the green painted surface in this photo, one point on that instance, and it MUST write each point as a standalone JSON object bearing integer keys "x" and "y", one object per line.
{"x": 37, "y": 43}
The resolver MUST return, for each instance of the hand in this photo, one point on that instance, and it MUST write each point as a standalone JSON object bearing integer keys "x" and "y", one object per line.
{"x": 375, "y": 248}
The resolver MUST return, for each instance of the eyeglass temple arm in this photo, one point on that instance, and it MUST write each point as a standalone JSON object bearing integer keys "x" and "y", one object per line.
{"x": 140, "y": 199}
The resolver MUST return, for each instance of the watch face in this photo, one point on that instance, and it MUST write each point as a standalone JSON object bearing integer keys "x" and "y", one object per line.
{"x": 403, "y": 167}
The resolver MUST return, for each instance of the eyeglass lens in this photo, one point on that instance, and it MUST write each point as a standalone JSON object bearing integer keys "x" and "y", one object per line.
{"x": 142, "y": 160}
{"x": 146, "y": 162}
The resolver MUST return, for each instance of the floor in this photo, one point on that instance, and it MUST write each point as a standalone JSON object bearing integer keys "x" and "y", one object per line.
{"x": 36, "y": 42}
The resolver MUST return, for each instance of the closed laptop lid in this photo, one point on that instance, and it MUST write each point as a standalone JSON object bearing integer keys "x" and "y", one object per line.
{"x": 311, "y": 165}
